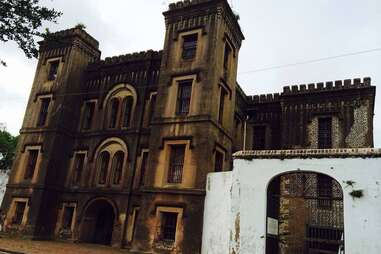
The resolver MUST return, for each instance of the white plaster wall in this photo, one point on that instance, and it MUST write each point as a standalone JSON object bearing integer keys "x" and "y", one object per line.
{"x": 4, "y": 174}
{"x": 362, "y": 216}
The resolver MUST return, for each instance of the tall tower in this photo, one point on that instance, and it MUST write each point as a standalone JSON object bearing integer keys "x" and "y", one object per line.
{"x": 47, "y": 133}
{"x": 192, "y": 128}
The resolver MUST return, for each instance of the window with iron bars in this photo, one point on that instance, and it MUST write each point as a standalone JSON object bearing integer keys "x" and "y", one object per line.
{"x": 325, "y": 133}
{"x": 168, "y": 226}
{"x": 189, "y": 46}
{"x": 68, "y": 217}
{"x": 325, "y": 191}
{"x": 184, "y": 97}
{"x": 88, "y": 115}
{"x": 176, "y": 163}
{"x": 218, "y": 162}
{"x": 53, "y": 70}
{"x": 31, "y": 164}
{"x": 79, "y": 161}
{"x": 19, "y": 213}
{"x": 259, "y": 138}
{"x": 43, "y": 112}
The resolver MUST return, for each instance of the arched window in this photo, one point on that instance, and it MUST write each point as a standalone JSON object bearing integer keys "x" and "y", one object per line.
{"x": 103, "y": 166}
{"x": 128, "y": 102}
{"x": 117, "y": 164}
{"x": 114, "y": 107}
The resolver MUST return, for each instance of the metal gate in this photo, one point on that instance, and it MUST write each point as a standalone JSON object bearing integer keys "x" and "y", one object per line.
{"x": 305, "y": 215}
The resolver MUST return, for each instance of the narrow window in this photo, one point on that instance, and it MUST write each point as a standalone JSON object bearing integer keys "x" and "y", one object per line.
{"x": 143, "y": 168}
{"x": 68, "y": 217}
{"x": 103, "y": 166}
{"x": 176, "y": 163}
{"x": 259, "y": 138}
{"x": 189, "y": 46}
{"x": 218, "y": 162}
{"x": 128, "y": 101}
{"x": 53, "y": 70}
{"x": 114, "y": 107}
{"x": 184, "y": 97}
{"x": 79, "y": 161}
{"x": 227, "y": 54}
{"x": 325, "y": 133}
{"x": 325, "y": 191}
{"x": 117, "y": 164}
{"x": 19, "y": 213}
{"x": 88, "y": 115}
{"x": 152, "y": 107}
{"x": 221, "y": 106}
{"x": 31, "y": 164}
{"x": 168, "y": 226}
{"x": 43, "y": 112}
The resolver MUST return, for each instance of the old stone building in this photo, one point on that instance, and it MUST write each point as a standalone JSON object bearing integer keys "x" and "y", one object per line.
{"x": 117, "y": 151}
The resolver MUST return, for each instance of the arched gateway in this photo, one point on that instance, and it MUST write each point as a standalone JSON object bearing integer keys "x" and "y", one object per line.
{"x": 304, "y": 214}
{"x": 98, "y": 222}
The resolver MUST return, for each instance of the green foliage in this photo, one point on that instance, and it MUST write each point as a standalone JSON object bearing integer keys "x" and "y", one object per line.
{"x": 20, "y": 21}
{"x": 357, "y": 193}
{"x": 8, "y": 145}
{"x": 81, "y": 26}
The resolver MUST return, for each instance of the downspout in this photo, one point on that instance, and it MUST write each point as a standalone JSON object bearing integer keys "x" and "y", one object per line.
{"x": 244, "y": 133}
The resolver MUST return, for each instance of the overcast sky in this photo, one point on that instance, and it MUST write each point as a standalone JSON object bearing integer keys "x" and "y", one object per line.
{"x": 277, "y": 33}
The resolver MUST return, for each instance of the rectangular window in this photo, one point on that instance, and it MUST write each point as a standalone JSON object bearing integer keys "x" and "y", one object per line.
{"x": 53, "y": 70}
{"x": 221, "y": 106}
{"x": 43, "y": 112}
{"x": 31, "y": 164}
{"x": 325, "y": 191}
{"x": 79, "y": 162}
{"x": 184, "y": 97}
{"x": 19, "y": 212}
{"x": 88, "y": 115}
{"x": 325, "y": 133}
{"x": 218, "y": 162}
{"x": 176, "y": 163}
{"x": 189, "y": 46}
{"x": 67, "y": 217}
{"x": 152, "y": 107}
{"x": 227, "y": 54}
{"x": 143, "y": 168}
{"x": 259, "y": 138}
{"x": 168, "y": 226}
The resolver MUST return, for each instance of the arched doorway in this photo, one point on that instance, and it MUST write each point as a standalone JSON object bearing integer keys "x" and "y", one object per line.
{"x": 304, "y": 214}
{"x": 98, "y": 222}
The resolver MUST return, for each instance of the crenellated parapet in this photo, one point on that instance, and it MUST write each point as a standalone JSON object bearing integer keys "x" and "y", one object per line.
{"x": 185, "y": 3}
{"x": 264, "y": 98}
{"x": 133, "y": 57}
{"x": 328, "y": 86}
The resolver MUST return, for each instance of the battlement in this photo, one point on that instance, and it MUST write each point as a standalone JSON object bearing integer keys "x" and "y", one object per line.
{"x": 264, "y": 98}
{"x": 327, "y": 86}
{"x": 185, "y": 3}
{"x": 77, "y": 32}
{"x": 137, "y": 56}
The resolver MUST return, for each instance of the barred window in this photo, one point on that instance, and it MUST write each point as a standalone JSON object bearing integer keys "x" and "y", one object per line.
{"x": 43, "y": 112}
{"x": 128, "y": 103}
{"x": 325, "y": 191}
{"x": 19, "y": 212}
{"x": 103, "y": 167}
{"x": 221, "y": 106}
{"x": 114, "y": 107}
{"x": 189, "y": 46}
{"x": 184, "y": 97}
{"x": 143, "y": 168}
{"x": 79, "y": 161}
{"x": 176, "y": 163}
{"x": 168, "y": 226}
{"x": 218, "y": 162}
{"x": 117, "y": 164}
{"x": 227, "y": 54}
{"x": 325, "y": 133}
{"x": 88, "y": 115}
{"x": 259, "y": 138}
{"x": 31, "y": 164}
{"x": 152, "y": 107}
{"x": 53, "y": 70}
{"x": 68, "y": 217}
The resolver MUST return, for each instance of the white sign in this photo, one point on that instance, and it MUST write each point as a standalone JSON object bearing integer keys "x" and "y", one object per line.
{"x": 272, "y": 226}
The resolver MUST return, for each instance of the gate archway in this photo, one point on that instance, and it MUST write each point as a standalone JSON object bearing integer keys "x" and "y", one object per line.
{"x": 305, "y": 214}
{"x": 98, "y": 222}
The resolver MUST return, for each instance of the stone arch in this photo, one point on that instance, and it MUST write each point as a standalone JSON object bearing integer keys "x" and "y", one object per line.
{"x": 98, "y": 219}
{"x": 304, "y": 213}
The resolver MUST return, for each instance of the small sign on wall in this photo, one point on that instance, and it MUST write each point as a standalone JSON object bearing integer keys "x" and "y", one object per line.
{"x": 272, "y": 226}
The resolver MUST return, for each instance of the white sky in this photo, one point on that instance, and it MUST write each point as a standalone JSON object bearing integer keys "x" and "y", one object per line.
{"x": 277, "y": 33}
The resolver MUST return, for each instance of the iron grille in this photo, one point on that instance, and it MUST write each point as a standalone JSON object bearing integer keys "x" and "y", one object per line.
{"x": 175, "y": 172}
{"x": 325, "y": 133}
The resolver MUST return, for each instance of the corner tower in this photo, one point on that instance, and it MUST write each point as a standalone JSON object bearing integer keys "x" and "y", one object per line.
{"x": 192, "y": 126}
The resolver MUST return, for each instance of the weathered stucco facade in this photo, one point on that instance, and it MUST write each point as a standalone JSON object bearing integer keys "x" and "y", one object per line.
{"x": 131, "y": 138}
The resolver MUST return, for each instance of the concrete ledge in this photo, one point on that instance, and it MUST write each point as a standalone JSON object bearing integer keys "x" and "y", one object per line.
{"x": 309, "y": 153}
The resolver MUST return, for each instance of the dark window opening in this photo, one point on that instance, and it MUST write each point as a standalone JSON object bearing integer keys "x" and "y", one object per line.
{"x": 168, "y": 226}
{"x": 117, "y": 164}
{"x": 31, "y": 164}
{"x": 184, "y": 97}
{"x": 259, "y": 138}
{"x": 218, "y": 161}
{"x": 68, "y": 218}
{"x": 189, "y": 46}
{"x": 78, "y": 168}
{"x": 103, "y": 166}
{"x": 176, "y": 163}
{"x": 88, "y": 115}
{"x": 325, "y": 133}
{"x": 128, "y": 103}
{"x": 143, "y": 168}
{"x": 325, "y": 191}
{"x": 135, "y": 223}
{"x": 114, "y": 113}
{"x": 53, "y": 70}
{"x": 221, "y": 106}
{"x": 43, "y": 112}
{"x": 19, "y": 213}
{"x": 227, "y": 54}
{"x": 152, "y": 107}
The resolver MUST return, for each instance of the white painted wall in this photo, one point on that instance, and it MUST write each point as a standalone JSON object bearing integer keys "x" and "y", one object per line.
{"x": 362, "y": 216}
{"x": 4, "y": 174}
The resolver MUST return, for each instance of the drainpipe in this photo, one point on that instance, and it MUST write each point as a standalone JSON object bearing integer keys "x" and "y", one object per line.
{"x": 245, "y": 133}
